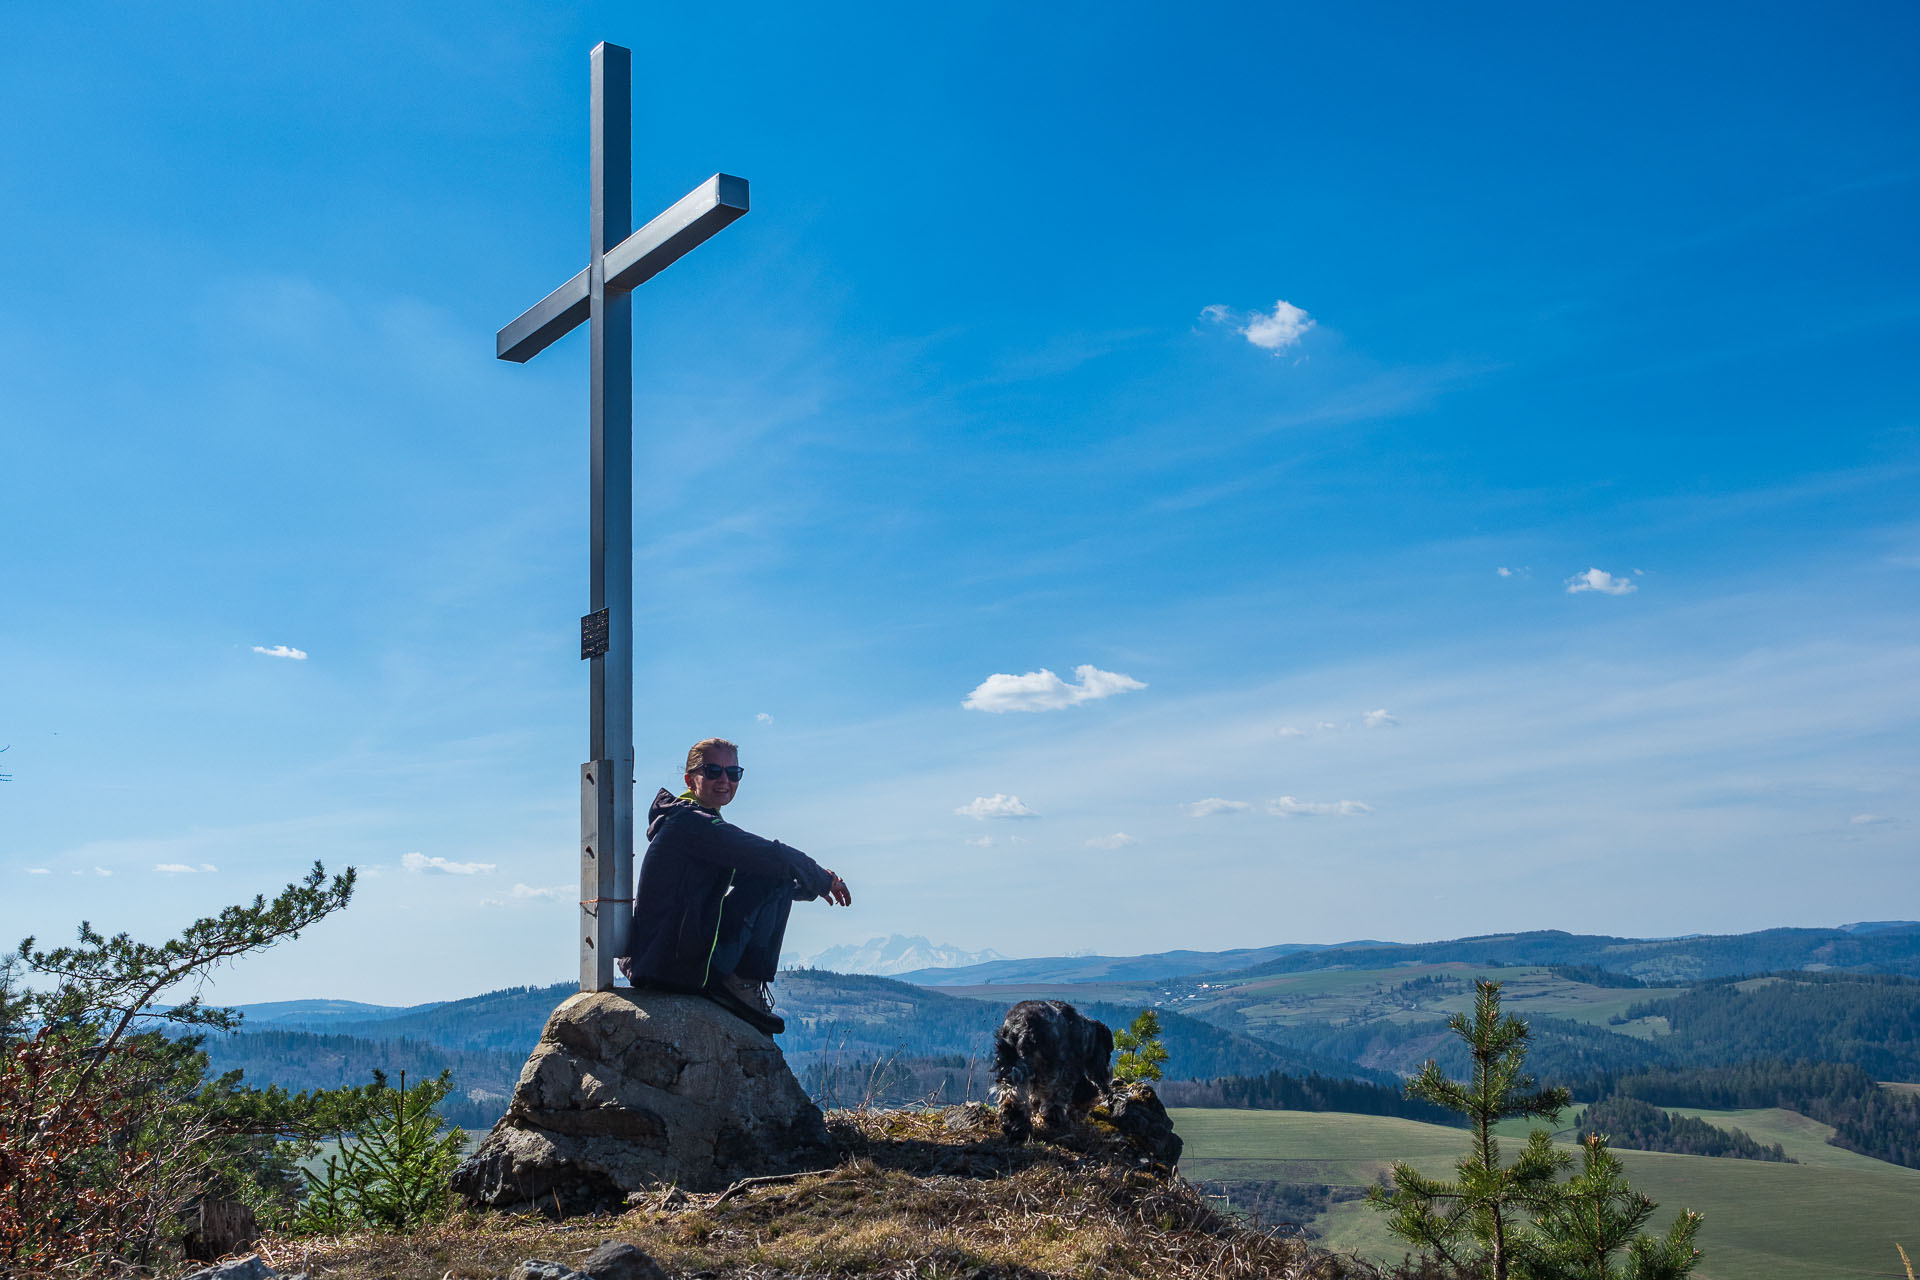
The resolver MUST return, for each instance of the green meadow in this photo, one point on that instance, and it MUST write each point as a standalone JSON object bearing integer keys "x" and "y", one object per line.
{"x": 1832, "y": 1214}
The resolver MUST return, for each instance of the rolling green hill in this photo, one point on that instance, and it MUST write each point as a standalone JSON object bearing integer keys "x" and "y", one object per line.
{"x": 1833, "y": 1215}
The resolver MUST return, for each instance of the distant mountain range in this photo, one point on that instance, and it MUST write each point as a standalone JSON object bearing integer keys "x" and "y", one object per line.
{"x": 1881, "y": 946}
{"x": 1218, "y": 1008}
{"x": 894, "y": 955}
{"x": 1148, "y": 968}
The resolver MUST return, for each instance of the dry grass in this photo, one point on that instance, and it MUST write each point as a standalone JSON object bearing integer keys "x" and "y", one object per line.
{"x": 910, "y": 1198}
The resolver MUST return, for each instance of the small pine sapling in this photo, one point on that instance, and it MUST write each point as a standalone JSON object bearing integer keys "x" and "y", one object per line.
{"x": 1141, "y": 1053}
{"x": 1591, "y": 1230}
{"x": 1475, "y": 1220}
{"x": 392, "y": 1172}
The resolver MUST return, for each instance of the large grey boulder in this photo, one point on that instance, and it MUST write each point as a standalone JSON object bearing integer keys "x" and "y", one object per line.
{"x": 629, "y": 1089}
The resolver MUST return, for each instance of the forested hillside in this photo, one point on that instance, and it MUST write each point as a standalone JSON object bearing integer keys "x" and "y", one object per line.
{"x": 1640, "y": 1126}
{"x": 1893, "y": 949}
{"x": 1869, "y": 1022}
{"x": 1561, "y": 1048}
{"x": 1866, "y": 1117}
{"x": 852, "y": 1018}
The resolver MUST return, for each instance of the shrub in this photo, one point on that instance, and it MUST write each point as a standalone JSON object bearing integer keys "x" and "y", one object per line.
{"x": 1141, "y": 1053}
{"x": 109, "y": 1128}
{"x": 392, "y": 1172}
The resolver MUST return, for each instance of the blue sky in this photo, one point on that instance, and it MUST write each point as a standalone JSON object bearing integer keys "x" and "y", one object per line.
{"x": 1285, "y": 369}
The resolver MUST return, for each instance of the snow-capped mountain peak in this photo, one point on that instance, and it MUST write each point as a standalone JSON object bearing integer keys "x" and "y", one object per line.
{"x": 895, "y": 954}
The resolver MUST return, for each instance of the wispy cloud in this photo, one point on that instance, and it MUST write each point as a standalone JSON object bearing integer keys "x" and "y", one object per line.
{"x": 1507, "y": 571}
{"x": 39, "y": 871}
{"x": 1292, "y": 807}
{"x": 438, "y": 866}
{"x": 1118, "y": 840}
{"x": 763, "y": 718}
{"x": 182, "y": 869}
{"x": 1274, "y": 332}
{"x": 1212, "y": 805}
{"x": 1599, "y": 580}
{"x": 1868, "y": 820}
{"x": 997, "y": 805}
{"x": 282, "y": 651}
{"x": 1044, "y": 691}
{"x": 1380, "y": 718}
{"x": 525, "y": 893}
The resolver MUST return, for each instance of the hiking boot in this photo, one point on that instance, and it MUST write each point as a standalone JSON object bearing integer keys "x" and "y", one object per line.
{"x": 747, "y": 1000}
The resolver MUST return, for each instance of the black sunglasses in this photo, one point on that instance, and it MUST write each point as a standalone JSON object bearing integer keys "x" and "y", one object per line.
{"x": 715, "y": 772}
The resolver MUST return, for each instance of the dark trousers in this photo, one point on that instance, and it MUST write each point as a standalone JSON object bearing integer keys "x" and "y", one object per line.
{"x": 753, "y": 922}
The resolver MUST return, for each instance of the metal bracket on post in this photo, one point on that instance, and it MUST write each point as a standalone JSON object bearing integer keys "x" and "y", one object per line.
{"x": 602, "y": 898}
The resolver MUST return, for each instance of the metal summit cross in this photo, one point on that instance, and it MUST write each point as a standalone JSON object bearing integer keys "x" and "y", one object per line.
{"x": 617, "y": 263}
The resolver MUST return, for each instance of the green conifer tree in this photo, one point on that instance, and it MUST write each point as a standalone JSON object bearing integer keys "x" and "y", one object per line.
{"x": 1591, "y": 1230}
{"x": 1476, "y": 1220}
{"x": 1141, "y": 1053}
{"x": 392, "y": 1172}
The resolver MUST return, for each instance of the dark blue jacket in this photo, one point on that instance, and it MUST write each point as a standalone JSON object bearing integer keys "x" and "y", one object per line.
{"x": 692, "y": 856}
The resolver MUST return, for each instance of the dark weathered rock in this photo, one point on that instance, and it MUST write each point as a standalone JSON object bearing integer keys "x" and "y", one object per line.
{"x": 1136, "y": 1111}
{"x": 252, "y": 1267}
{"x": 616, "y": 1261}
{"x": 628, "y": 1090}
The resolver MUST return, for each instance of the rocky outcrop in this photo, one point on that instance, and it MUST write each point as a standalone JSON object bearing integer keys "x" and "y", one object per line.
{"x": 1136, "y": 1111}
{"x": 628, "y": 1090}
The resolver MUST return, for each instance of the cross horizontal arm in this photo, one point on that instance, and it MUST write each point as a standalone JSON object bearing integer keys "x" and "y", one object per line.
{"x": 545, "y": 323}
{"x": 694, "y": 218}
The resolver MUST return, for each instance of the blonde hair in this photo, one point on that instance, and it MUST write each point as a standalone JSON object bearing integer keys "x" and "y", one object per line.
{"x": 697, "y": 753}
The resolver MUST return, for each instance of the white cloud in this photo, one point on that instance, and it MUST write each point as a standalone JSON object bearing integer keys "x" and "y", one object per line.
{"x": 1212, "y": 805}
{"x": 282, "y": 651}
{"x": 182, "y": 869}
{"x": 1044, "y": 691}
{"x": 39, "y": 871}
{"x": 1118, "y": 840}
{"x": 1291, "y": 807}
{"x": 1288, "y": 731}
{"x": 1379, "y": 719}
{"x": 1867, "y": 820}
{"x": 99, "y": 871}
{"x": 764, "y": 718}
{"x": 1504, "y": 572}
{"x": 980, "y": 842}
{"x": 441, "y": 867}
{"x": 1599, "y": 580}
{"x": 523, "y": 893}
{"x": 997, "y": 805}
{"x": 1326, "y": 724}
{"x": 1276, "y": 333}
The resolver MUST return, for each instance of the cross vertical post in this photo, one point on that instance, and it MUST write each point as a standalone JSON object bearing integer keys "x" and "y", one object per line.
{"x": 619, "y": 260}
{"x": 606, "y": 872}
